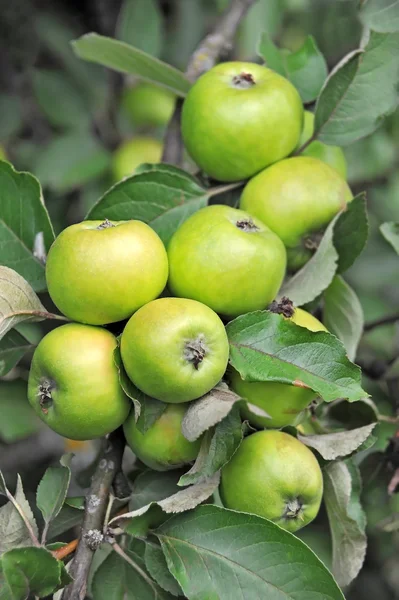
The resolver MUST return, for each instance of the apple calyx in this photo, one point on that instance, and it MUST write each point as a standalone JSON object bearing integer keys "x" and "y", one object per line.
{"x": 247, "y": 225}
{"x": 106, "y": 224}
{"x": 283, "y": 307}
{"x": 194, "y": 351}
{"x": 243, "y": 81}
{"x": 293, "y": 509}
{"x": 44, "y": 393}
{"x": 312, "y": 241}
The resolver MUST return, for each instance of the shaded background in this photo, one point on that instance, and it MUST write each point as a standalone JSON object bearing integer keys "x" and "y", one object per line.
{"x": 62, "y": 119}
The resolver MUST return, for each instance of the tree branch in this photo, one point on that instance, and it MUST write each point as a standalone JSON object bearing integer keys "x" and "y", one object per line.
{"x": 212, "y": 47}
{"x": 387, "y": 320}
{"x": 96, "y": 506}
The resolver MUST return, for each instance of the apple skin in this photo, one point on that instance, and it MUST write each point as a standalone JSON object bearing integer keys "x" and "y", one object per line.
{"x": 100, "y": 274}
{"x": 331, "y": 155}
{"x": 296, "y": 197}
{"x": 76, "y": 362}
{"x": 161, "y": 343}
{"x": 284, "y": 403}
{"x": 275, "y": 476}
{"x": 163, "y": 446}
{"x": 240, "y": 117}
{"x": 133, "y": 153}
{"x": 229, "y": 268}
{"x": 148, "y": 105}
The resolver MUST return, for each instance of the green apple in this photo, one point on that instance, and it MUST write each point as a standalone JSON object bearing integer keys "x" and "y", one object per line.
{"x": 133, "y": 153}
{"x": 101, "y": 272}
{"x": 74, "y": 383}
{"x": 331, "y": 155}
{"x": 148, "y": 105}
{"x": 284, "y": 403}
{"x": 162, "y": 446}
{"x": 297, "y": 198}
{"x": 275, "y": 476}
{"x": 240, "y": 117}
{"x": 226, "y": 259}
{"x": 175, "y": 349}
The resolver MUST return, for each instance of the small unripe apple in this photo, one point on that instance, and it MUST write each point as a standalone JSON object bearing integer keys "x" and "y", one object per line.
{"x": 275, "y": 476}
{"x": 175, "y": 349}
{"x": 226, "y": 259}
{"x": 297, "y": 198}
{"x": 133, "y": 153}
{"x": 282, "y": 402}
{"x": 240, "y": 117}
{"x": 148, "y": 105}
{"x": 331, "y": 155}
{"x": 74, "y": 383}
{"x": 101, "y": 272}
{"x": 163, "y": 446}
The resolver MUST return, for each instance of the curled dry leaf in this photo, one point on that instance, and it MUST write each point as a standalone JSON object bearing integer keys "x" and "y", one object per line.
{"x": 336, "y": 445}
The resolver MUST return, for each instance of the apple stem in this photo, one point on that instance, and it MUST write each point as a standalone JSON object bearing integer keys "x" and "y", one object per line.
{"x": 194, "y": 352}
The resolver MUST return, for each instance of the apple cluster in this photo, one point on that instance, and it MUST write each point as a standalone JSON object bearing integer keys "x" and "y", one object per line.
{"x": 240, "y": 121}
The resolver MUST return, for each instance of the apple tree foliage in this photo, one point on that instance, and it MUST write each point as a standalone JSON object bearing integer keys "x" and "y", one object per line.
{"x": 202, "y": 550}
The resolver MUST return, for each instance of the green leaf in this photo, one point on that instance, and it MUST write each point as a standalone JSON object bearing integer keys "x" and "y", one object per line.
{"x": 381, "y": 15}
{"x": 17, "y": 418}
{"x": 371, "y": 158}
{"x": 67, "y": 518}
{"x": 12, "y": 348}
{"x": 11, "y": 117}
{"x": 71, "y": 160}
{"x": 140, "y": 24}
{"x": 116, "y": 579}
{"x": 342, "y": 116}
{"x": 343, "y": 315}
{"x": 347, "y": 520}
{"x": 263, "y": 16}
{"x": 219, "y": 553}
{"x": 18, "y": 302}
{"x": 317, "y": 274}
{"x": 13, "y": 531}
{"x": 135, "y": 395}
{"x": 306, "y": 68}
{"x": 60, "y": 100}
{"x": 157, "y": 567}
{"x": 351, "y": 232}
{"x": 337, "y": 445}
{"x": 390, "y": 231}
{"x": 267, "y": 347}
{"x": 160, "y": 195}
{"x": 30, "y": 571}
{"x": 150, "y": 487}
{"x": 127, "y": 59}
{"x": 52, "y": 491}
{"x": 151, "y": 410}
{"x": 22, "y": 216}
{"x": 350, "y": 416}
{"x": 217, "y": 448}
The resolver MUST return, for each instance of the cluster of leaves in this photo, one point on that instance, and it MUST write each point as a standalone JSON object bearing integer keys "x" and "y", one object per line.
{"x": 206, "y": 550}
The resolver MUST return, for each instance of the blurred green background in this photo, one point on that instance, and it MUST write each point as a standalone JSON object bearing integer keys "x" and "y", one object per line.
{"x": 74, "y": 125}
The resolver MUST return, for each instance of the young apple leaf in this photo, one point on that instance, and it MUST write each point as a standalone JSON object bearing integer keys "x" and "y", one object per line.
{"x": 52, "y": 491}
{"x": 31, "y": 571}
{"x": 351, "y": 232}
{"x": 13, "y": 530}
{"x": 160, "y": 195}
{"x": 217, "y": 448}
{"x": 265, "y": 346}
{"x": 219, "y": 553}
{"x": 140, "y": 24}
{"x": 22, "y": 216}
{"x": 342, "y": 116}
{"x": 337, "y": 445}
{"x": 306, "y": 68}
{"x": 343, "y": 314}
{"x": 157, "y": 567}
{"x": 18, "y": 302}
{"x": 390, "y": 231}
{"x": 13, "y": 346}
{"x": 127, "y": 59}
{"x": 347, "y": 520}
{"x": 207, "y": 411}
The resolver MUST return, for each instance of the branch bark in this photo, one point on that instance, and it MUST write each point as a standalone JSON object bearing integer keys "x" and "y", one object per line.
{"x": 212, "y": 47}
{"x": 96, "y": 506}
